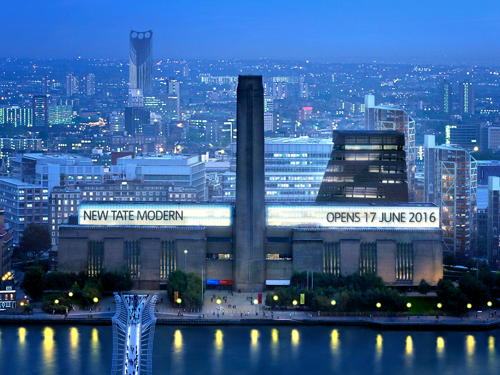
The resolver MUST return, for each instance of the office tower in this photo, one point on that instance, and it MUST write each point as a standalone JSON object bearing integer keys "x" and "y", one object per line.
{"x": 369, "y": 101}
{"x": 365, "y": 167}
{"x": 465, "y": 135}
{"x": 117, "y": 122}
{"x": 40, "y": 112}
{"x": 303, "y": 88}
{"x": 60, "y": 114}
{"x": 268, "y": 114}
{"x": 71, "y": 85}
{"x": 467, "y": 98}
{"x": 445, "y": 96}
{"x": 493, "y": 224}
{"x": 390, "y": 118}
{"x": 294, "y": 169}
{"x": 250, "y": 216}
{"x": 90, "y": 84}
{"x": 451, "y": 183}
{"x": 135, "y": 119}
{"x": 174, "y": 98}
{"x": 16, "y": 116}
{"x": 141, "y": 61}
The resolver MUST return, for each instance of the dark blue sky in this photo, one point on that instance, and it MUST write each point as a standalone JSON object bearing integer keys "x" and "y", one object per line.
{"x": 460, "y": 31}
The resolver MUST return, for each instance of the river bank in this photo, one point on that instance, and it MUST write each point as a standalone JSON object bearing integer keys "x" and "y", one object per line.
{"x": 378, "y": 322}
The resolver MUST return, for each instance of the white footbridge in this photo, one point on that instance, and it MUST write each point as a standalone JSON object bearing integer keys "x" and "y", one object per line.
{"x": 133, "y": 333}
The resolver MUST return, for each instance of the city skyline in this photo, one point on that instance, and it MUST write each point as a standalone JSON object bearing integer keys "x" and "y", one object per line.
{"x": 447, "y": 32}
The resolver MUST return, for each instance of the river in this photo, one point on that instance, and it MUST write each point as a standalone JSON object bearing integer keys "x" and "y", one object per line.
{"x": 86, "y": 350}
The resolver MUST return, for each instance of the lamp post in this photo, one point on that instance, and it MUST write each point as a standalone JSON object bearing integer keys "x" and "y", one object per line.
{"x": 333, "y": 302}
{"x": 186, "y": 251}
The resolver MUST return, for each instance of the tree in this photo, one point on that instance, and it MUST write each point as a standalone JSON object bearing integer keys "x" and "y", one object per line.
{"x": 423, "y": 287}
{"x": 452, "y": 298}
{"x": 33, "y": 282}
{"x": 35, "y": 240}
{"x": 475, "y": 291}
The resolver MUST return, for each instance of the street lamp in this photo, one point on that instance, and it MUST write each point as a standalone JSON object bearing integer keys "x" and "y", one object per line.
{"x": 56, "y": 302}
{"x": 294, "y": 302}
{"x": 255, "y": 301}
{"x": 218, "y": 301}
{"x": 378, "y": 305}
{"x": 95, "y": 299}
{"x": 70, "y": 294}
{"x": 408, "y": 305}
{"x": 179, "y": 301}
{"x": 439, "y": 305}
{"x": 489, "y": 304}
{"x": 275, "y": 297}
{"x": 469, "y": 306}
{"x": 333, "y": 302}
{"x": 186, "y": 251}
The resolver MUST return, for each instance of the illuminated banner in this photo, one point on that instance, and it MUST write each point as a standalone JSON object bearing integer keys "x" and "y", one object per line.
{"x": 145, "y": 214}
{"x": 418, "y": 217}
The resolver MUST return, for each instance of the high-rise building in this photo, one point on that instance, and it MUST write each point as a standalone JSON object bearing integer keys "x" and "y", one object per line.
{"x": 90, "y": 84}
{"x": 71, "y": 85}
{"x": 40, "y": 112}
{"x": 365, "y": 166}
{"x": 493, "y": 224}
{"x": 135, "y": 119}
{"x": 451, "y": 184}
{"x": 16, "y": 116}
{"x": 467, "y": 98}
{"x": 117, "y": 122}
{"x": 60, "y": 114}
{"x": 174, "y": 98}
{"x": 294, "y": 169}
{"x": 141, "y": 61}
{"x": 446, "y": 105}
{"x": 464, "y": 134}
{"x": 390, "y": 118}
{"x": 250, "y": 213}
{"x": 268, "y": 114}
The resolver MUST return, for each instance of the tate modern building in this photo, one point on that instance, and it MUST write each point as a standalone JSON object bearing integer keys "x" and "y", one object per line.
{"x": 249, "y": 245}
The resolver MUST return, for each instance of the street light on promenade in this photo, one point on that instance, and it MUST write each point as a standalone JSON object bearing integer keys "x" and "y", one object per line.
{"x": 186, "y": 251}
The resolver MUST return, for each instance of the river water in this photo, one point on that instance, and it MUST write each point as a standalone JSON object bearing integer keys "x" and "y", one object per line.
{"x": 86, "y": 350}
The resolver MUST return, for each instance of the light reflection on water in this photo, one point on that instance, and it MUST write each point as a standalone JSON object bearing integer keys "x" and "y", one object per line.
{"x": 83, "y": 350}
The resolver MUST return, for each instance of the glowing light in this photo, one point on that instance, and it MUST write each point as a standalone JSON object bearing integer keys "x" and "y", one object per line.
{"x": 469, "y": 306}
{"x": 275, "y": 337}
{"x": 470, "y": 345}
{"x": 489, "y": 304}
{"x": 254, "y": 337}
{"x": 178, "y": 300}
{"x": 178, "y": 343}
{"x": 295, "y": 337}
{"x": 440, "y": 345}
{"x": 333, "y": 302}
{"x": 95, "y": 299}
{"x": 294, "y": 302}
{"x": 275, "y": 298}
{"x": 379, "y": 344}
{"x": 48, "y": 344}
{"x": 334, "y": 340}
{"x": 378, "y": 305}
{"x": 56, "y": 302}
{"x": 186, "y": 251}
{"x": 21, "y": 332}
{"x": 219, "y": 340}
{"x": 73, "y": 338}
{"x": 70, "y": 294}
{"x": 255, "y": 301}
{"x": 218, "y": 301}
{"x": 491, "y": 344}
{"x": 439, "y": 305}
{"x": 409, "y": 346}
{"x": 408, "y": 305}
{"x": 94, "y": 339}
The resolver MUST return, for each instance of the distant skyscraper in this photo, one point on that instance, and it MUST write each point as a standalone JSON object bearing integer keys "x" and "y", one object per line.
{"x": 493, "y": 242}
{"x": 40, "y": 112}
{"x": 116, "y": 122}
{"x": 446, "y": 97}
{"x": 174, "y": 98}
{"x": 391, "y": 118}
{"x": 135, "y": 119}
{"x": 250, "y": 215}
{"x": 451, "y": 183}
{"x": 141, "y": 61}
{"x": 90, "y": 84}
{"x": 467, "y": 98}
{"x": 365, "y": 166}
{"x": 268, "y": 113}
{"x": 71, "y": 85}
{"x": 16, "y": 116}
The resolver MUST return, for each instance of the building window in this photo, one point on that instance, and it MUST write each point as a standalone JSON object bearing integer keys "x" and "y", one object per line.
{"x": 331, "y": 258}
{"x": 95, "y": 257}
{"x": 368, "y": 258}
{"x": 404, "y": 262}
{"x": 167, "y": 259}
{"x": 133, "y": 256}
